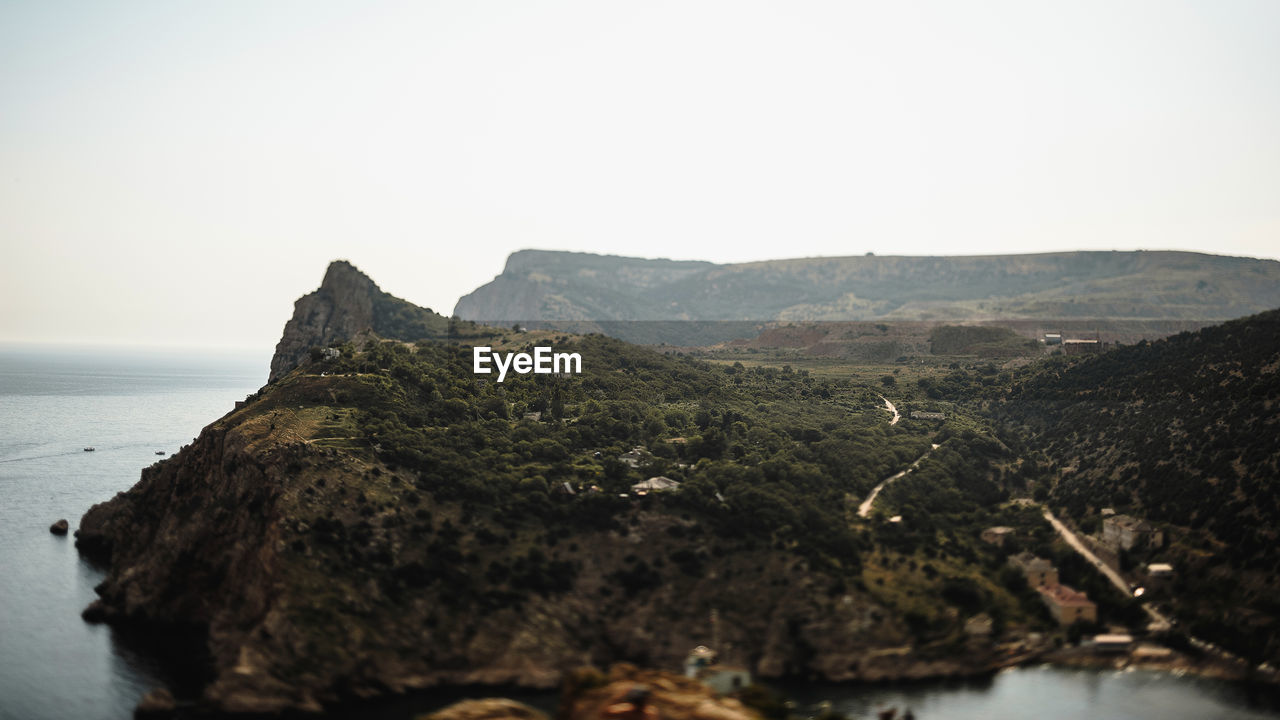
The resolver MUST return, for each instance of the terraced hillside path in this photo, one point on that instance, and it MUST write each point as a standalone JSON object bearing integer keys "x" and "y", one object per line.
{"x": 889, "y": 406}
{"x": 864, "y": 510}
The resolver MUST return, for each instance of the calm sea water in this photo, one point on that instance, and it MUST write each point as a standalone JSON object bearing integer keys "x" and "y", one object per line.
{"x": 53, "y": 403}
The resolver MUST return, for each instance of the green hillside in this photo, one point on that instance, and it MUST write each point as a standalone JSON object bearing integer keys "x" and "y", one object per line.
{"x": 385, "y": 519}
{"x": 1182, "y": 432}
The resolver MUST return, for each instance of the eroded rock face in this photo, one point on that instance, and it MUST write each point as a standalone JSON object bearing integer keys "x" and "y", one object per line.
{"x": 342, "y": 309}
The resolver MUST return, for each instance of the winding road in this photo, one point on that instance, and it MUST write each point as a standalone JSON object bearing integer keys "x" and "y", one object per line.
{"x": 889, "y": 406}
{"x": 864, "y": 510}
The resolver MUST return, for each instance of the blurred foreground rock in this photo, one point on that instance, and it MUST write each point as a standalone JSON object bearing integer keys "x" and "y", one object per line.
{"x": 590, "y": 695}
{"x": 488, "y": 709}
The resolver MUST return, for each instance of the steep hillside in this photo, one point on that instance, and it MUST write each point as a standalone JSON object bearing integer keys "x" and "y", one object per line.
{"x": 385, "y": 519}
{"x": 538, "y": 285}
{"x": 1181, "y": 432}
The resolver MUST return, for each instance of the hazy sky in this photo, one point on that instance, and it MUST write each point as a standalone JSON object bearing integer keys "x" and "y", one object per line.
{"x": 180, "y": 172}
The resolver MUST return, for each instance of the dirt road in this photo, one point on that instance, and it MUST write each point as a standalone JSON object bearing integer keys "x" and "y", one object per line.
{"x": 888, "y": 405}
{"x": 864, "y": 510}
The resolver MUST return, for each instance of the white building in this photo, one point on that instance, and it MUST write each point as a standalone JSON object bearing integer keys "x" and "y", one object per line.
{"x": 654, "y": 484}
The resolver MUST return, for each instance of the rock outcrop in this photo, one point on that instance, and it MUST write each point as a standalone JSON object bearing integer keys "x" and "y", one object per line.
{"x": 349, "y": 306}
{"x": 60, "y": 528}
{"x": 342, "y": 309}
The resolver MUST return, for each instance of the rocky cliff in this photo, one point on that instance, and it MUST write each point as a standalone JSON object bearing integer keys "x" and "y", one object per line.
{"x": 349, "y": 306}
{"x": 342, "y": 309}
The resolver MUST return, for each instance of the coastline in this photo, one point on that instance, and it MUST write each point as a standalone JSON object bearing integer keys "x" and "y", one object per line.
{"x": 1174, "y": 662}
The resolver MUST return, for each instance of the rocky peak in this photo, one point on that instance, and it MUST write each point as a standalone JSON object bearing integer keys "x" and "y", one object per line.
{"x": 341, "y": 309}
{"x": 343, "y": 277}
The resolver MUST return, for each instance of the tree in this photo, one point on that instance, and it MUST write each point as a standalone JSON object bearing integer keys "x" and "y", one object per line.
{"x": 557, "y": 403}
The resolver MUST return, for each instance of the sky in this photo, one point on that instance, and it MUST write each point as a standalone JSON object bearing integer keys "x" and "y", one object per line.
{"x": 178, "y": 173}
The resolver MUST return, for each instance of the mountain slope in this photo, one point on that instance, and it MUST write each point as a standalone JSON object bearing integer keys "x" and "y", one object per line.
{"x": 538, "y": 285}
{"x": 1182, "y": 432}
{"x": 385, "y": 519}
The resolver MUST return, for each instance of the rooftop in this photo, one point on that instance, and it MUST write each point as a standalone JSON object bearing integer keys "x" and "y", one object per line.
{"x": 656, "y": 483}
{"x": 1066, "y": 596}
{"x": 1128, "y": 522}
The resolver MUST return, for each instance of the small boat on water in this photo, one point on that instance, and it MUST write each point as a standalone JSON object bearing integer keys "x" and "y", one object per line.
{"x": 90, "y": 449}
{"x": 159, "y": 452}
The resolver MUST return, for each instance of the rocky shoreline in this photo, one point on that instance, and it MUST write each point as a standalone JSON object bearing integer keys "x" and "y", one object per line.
{"x": 1159, "y": 658}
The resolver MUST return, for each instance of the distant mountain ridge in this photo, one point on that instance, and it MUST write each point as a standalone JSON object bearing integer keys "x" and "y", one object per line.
{"x": 545, "y": 285}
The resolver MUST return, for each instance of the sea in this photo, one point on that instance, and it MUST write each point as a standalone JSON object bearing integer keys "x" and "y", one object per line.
{"x": 130, "y": 404}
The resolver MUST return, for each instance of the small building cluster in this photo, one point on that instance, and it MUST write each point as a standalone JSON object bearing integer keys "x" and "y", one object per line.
{"x": 1124, "y": 532}
{"x": 654, "y": 484}
{"x": 1160, "y": 578}
{"x": 1066, "y": 604}
{"x": 922, "y": 415}
{"x": 1073, "y": 346}
{"x": 1036, "y": 570}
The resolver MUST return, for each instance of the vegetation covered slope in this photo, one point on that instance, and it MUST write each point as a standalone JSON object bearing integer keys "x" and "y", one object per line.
{"x": 1183, "y": 432}
{"x": 386, "y": 520}
{"x": 539, "y": 285}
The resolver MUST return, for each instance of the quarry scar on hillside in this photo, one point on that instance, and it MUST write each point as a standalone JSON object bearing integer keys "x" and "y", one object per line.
{"x": 541, "y": 362}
